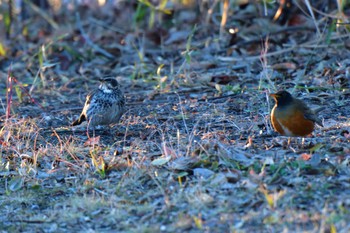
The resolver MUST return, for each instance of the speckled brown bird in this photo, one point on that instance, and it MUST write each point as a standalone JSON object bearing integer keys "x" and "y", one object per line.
{"x": 292, "y": 117}
{"x": 104, "y": 105}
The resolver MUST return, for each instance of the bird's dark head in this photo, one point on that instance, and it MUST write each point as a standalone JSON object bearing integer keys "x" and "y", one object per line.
{"x": 282, "y": 97}
{"x": 108, "y": 85}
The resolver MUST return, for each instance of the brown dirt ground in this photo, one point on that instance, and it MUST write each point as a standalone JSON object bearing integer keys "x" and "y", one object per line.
{"x": 194, "y": 151}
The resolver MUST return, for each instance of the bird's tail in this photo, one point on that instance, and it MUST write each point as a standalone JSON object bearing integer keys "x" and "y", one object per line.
{"x": 319, "y": 109}
{"x": 79, "y": 120}
{"x": 316, "y": 111}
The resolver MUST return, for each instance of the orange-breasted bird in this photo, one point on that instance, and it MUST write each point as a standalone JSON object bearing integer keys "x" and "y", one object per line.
{"x": 292, "y": 117}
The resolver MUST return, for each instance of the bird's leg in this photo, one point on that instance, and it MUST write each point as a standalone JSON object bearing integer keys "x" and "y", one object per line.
{"x": 302, "y": 142}
{"x": 289, "y": 144}
{"x": 285, "y": 143}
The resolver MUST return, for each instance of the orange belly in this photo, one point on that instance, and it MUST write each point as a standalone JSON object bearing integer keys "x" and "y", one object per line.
{"x": 293, "y": 126}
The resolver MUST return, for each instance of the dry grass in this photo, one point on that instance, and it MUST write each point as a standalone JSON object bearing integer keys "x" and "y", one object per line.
{"x": 195, "y": 150}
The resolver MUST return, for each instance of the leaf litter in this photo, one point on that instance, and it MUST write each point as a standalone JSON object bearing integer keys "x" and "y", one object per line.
{"x": 195, "y": 149}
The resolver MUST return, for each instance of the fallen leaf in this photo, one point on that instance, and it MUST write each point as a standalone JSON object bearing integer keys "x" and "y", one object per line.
{"x": 316, "y": 148}
{"x": 284, "y": 66}
{"x": 233, "y": 176}
{"x": 92, "y": 141}
{"x": 16, "y": 183}
{"x": 203, "y": 172}
{"x": 183, "y": 163}
{"x": 161, "y": 161}
{"x": 167, "y": 151}
{"x": 224, "y": 79}
{"x": 176, "y": 37}
{"x": 305, "y": 156}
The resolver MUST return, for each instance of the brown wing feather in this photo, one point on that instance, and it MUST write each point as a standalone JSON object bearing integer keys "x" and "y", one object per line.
{"x": 311, "y": 114}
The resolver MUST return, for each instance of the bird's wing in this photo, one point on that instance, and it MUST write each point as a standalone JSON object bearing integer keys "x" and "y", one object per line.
{"x": 89, "y": 97}
{"x": 310, "y": 114}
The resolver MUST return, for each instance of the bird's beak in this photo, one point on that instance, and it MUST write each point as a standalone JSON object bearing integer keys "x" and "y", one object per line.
{"x": 274, "y": 96}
